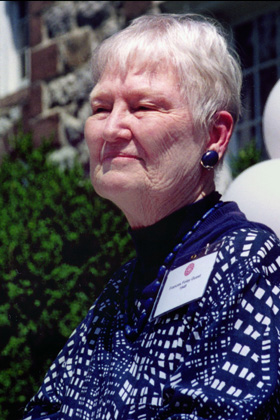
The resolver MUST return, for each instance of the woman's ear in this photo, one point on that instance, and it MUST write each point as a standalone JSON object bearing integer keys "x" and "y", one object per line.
{"x": 220, "y": 133}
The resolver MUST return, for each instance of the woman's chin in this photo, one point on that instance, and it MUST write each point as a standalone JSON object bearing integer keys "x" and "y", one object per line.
{"x": 113, "y": 185}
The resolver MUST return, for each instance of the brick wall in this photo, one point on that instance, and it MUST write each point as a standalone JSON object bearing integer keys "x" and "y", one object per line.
{"x": 62, "y": 36}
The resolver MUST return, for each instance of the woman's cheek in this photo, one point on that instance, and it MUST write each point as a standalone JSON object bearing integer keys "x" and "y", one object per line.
{"x": 88, "y": 131}
{"x": 91, "y": 136}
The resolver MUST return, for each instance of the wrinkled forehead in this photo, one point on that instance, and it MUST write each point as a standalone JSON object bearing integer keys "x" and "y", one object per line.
{"x": 137, "y": 80}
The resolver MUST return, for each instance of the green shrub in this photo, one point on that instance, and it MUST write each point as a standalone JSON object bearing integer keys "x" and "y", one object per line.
{"x": 59, "y": 243}
{"x": 246, "y": 157}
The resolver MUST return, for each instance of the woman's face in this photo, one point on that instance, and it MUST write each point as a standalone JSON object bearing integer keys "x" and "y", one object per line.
{"x": 140, "y": 138}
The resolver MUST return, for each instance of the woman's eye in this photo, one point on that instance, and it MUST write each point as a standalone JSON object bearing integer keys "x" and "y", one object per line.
{"x": 99, "y": 110}
{"x": 143, "y": 108}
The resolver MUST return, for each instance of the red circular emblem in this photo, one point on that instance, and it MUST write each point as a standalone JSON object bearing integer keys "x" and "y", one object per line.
{"x": 189, "y": 269}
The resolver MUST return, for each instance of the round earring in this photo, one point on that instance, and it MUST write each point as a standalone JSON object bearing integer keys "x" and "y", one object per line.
{"x": 209, "y": 159}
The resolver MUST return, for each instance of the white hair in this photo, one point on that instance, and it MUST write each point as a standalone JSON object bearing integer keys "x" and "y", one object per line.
{"x": 208, "y": 71}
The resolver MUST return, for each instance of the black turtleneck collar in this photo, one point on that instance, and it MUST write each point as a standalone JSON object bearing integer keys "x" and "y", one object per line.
{"x": 154, "y": 243}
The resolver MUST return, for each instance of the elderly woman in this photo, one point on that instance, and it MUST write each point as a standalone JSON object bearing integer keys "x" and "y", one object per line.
{"x": 190, "y": 328}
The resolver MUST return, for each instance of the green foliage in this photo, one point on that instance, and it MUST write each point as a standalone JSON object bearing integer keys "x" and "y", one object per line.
{"x": 59, "y": 243}
{"x": 246, "y": 157}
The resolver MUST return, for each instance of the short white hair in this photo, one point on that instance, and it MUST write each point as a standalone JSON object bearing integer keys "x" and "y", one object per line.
{"x": 208, "y": 70}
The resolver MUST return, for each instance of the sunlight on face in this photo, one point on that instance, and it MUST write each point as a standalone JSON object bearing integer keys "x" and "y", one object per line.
{"x": 140, "y": 136}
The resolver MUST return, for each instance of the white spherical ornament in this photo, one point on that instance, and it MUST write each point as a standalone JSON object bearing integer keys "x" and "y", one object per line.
{"x": 271, "y": 122}
{"x": 257, "y": 192}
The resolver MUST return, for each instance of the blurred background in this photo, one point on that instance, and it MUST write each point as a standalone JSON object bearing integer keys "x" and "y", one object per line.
{"x": 59, "y": 242}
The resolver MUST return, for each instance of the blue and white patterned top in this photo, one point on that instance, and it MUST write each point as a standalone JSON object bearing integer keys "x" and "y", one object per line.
{"x": 216, "y": 358}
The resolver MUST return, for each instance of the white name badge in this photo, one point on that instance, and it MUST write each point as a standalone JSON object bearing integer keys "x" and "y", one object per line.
{"x": 184, "y": 284}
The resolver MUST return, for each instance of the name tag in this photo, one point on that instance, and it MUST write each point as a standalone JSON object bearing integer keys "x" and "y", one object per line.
{"x": 186, "y": 283}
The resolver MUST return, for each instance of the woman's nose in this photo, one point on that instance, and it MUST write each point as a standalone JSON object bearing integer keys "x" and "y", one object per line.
{"x": 117, "y": 126}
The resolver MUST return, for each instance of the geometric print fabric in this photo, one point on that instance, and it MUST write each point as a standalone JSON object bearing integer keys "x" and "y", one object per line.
{"x": 216, "y": 358}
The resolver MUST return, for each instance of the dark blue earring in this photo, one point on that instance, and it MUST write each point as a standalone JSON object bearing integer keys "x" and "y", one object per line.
{"x": 209, "y": 159}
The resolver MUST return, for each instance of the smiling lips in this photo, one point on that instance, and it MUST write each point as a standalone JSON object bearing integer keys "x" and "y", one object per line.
{"x": 119, "y": 155}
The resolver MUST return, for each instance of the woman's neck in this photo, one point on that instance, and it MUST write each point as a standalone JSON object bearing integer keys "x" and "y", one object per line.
{"x": 153, "y": 243}
{"x": 149, "y": 210}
